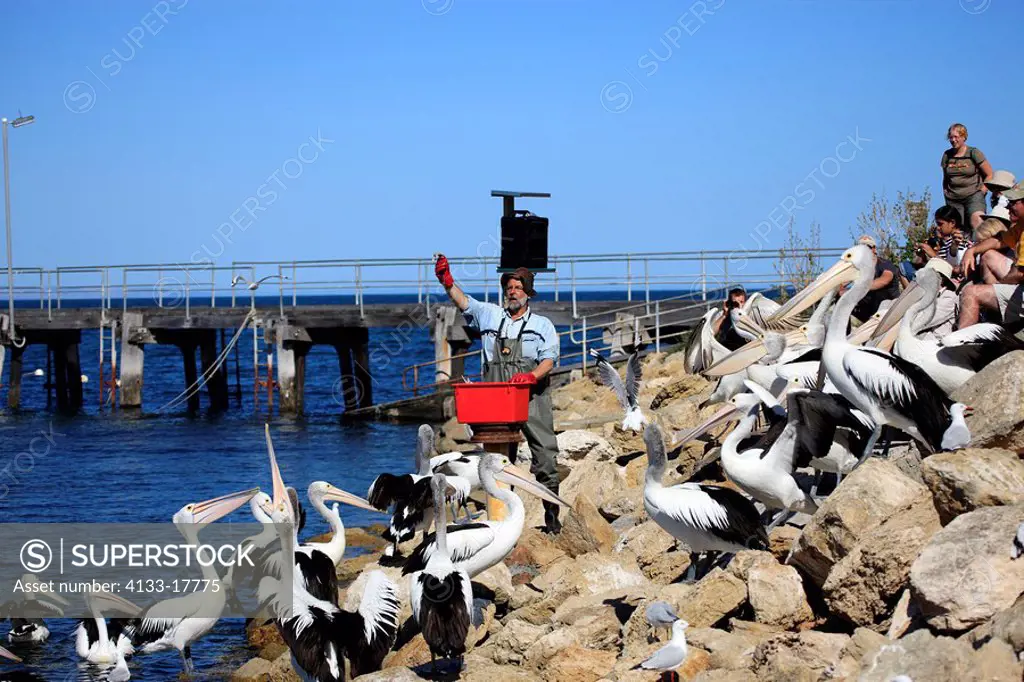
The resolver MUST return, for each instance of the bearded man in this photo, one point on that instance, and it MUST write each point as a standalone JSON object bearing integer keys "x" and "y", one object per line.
{"x": 520, "y": 347}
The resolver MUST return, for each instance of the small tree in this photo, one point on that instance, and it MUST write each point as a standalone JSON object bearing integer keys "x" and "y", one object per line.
{"x": 799, "y": 261}
{"x": 898, "y": 226}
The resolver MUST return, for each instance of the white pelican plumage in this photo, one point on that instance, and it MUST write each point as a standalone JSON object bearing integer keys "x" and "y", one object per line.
{"x": 888, "y": 389}
{"x": 179, "y": 622}
{"x": 707, "y": 518}
{"x": 105, "y": 643}
{"x": 626, "y": 392}
{"x": 479, "y": 545}
{"x": 440, "y": 594}
{"x": 317, "y": 631}
{"x": 956, "y": 357}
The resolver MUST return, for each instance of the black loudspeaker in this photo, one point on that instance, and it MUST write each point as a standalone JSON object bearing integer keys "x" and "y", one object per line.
{"x": 524, "y": 242}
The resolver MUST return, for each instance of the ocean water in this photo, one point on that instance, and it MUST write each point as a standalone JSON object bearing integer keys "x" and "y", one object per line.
{"x": 141, "y": 466}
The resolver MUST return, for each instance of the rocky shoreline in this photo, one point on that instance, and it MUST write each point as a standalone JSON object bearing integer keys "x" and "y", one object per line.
{"x": 905, "y": 569}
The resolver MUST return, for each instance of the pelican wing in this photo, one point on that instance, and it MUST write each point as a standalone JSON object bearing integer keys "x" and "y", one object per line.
{"x": 611, "y": 379}
{"x": 722, "y": 512}
{"x": 976, "y": 346}
{"x": 387, "y": 489}
{"x": 818, "y": 415}
{"x": 376, "y": 620}
{"x": 464, "y": 542}
{"x": 903, "y": 387}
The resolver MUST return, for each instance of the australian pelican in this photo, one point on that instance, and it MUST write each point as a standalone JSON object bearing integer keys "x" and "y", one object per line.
{"x": 179, "y": 622}
{"x": 318, "y": 632}
{"x": 627, "y": 391}
{"x": 411, "y": 495}
{"x": 888, "y": 389}
{"x": 706, "y": 518}
{"x": 479, "y": 545}
{"x": 441, "y": 596}
{"x": 105, "y": 643}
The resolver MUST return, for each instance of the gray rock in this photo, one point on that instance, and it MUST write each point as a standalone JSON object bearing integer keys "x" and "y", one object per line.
{"x": 873, "y": 493}
{"x": 997, "y": 395}
{"x": 965, "y": 574}
{"x": 966, "y": 480}
{"x": 921, "y": 656}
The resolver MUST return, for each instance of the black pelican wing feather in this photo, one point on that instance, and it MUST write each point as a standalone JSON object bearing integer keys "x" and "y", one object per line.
{"x": 744, "y": 525}
{"x": 903, "y": 387}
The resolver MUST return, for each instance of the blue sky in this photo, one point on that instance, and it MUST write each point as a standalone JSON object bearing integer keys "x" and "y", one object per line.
{"x": 652, "y": 127}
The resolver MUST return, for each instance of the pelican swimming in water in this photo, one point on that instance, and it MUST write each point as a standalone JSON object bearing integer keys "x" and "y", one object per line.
{"x": 706, "y": 518}
{"x": 888, "y": 389}
{"x": 105, "y": 643}
{"x": 440, "y": 594}
{"x": 477, "y": 546}
{"x": 627, "y": 391}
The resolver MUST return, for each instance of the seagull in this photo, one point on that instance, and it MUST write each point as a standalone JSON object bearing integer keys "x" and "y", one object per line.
{"x": 670, "y": 656}
{"x": 660, "y": 614}
{"x": 253, "y": 286}
{"x": 625, "y": 392}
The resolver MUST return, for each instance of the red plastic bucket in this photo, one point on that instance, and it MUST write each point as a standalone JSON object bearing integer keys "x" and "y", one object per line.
{"x": 492, "y": 403}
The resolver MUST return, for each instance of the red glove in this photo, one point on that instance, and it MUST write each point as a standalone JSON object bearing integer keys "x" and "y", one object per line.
{"x": 443, "y": 273}
{"x": 524, "y": 378}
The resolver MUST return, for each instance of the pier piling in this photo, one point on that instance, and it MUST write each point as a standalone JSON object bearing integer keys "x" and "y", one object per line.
{"x": 14, "y": 385}
{"x": 131, "y": 362}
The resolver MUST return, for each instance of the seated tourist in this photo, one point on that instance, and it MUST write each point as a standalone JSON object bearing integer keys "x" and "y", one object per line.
{"x": 1001, "y": 267}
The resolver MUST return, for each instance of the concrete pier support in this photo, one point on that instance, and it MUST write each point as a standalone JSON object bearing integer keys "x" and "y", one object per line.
{"x": 131, "y": 360}
{"x": 217, "y": 382}
{"x": 14, "y": 384}
{"x": 359, "y": 340}
{"x": 292, "y": 345}
{"x": 450, "y": 338}
{"x": 74, "y": 370}
{"x": 188, "y": 354}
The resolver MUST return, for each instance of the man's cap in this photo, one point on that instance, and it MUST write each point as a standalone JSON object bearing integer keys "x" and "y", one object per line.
{"x": 524, "y": 276}
{"x": 1015, "y": 192}
{"x": 1001, "y": 180}
{"x": 1000, "y": 212}
{"x": 866, "y": 240}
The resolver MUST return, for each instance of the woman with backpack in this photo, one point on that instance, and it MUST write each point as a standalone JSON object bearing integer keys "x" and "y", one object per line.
{"x": 965, "y": 170}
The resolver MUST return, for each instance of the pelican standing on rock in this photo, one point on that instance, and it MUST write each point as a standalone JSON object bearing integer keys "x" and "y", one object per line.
{"x": 706, "y": 518}
{"x": 441, "y": 596}
{"x": 317, "y": 631}
{"x": 477, "y": 546}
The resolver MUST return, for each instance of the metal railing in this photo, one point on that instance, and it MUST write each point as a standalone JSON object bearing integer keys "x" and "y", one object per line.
{"x": 643, "y": 276}
{"x": 668, "y": 312}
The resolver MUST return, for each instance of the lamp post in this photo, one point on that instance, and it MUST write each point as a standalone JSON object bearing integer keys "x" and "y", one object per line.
{"x": 16, "y": 123}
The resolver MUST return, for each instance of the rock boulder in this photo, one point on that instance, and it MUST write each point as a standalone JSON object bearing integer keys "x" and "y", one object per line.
{"x": 997, "y": 395}
{"x": 873, "y": 493}
{"x": 965, "y": 574}
{"x": 966, "y": 480}
{"x": 863, "y": 586}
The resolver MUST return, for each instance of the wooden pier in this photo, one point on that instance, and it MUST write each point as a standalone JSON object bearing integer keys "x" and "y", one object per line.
{"x": 199, "y": 308}
{"x": 292, "y": 335}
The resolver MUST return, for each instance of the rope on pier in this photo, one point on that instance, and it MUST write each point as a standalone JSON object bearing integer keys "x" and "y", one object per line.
{"x": 208, "y": 374}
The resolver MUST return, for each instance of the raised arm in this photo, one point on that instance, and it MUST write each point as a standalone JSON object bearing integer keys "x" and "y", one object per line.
{"x": 444, "y": 275}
